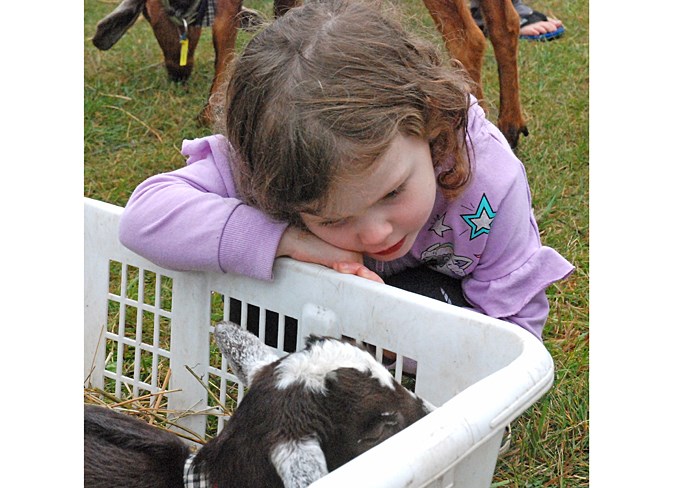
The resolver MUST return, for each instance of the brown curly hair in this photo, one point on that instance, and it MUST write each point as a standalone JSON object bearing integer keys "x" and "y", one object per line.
{"x": 321, "y": 92}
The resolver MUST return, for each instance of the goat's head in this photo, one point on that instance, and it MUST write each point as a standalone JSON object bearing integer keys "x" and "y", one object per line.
{"x": 314, "y": 410}
{"x": 170, "y": 20}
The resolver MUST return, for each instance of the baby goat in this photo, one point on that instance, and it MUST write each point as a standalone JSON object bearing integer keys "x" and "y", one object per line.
{"x": 304, "y": 415}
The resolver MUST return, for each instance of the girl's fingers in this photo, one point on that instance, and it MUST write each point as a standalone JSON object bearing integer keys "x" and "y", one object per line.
{"x": 357, "y": 269}
{"x": 365, "y": 272}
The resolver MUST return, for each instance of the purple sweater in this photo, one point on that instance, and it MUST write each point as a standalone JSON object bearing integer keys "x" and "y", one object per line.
{"x": 192, "y": 219}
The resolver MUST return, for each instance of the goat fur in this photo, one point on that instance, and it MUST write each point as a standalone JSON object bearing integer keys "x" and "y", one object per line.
{"x": 283, "y": 434}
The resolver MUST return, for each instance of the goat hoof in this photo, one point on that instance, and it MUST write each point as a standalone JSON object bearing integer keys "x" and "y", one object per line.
{"x": 512, "y": 134}
{"x": 178, "y": 74}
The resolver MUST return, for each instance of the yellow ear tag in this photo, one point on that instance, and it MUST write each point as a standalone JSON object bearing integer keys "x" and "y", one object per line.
{"x": 183, "y": 40}
{"x": 183, "y": 58}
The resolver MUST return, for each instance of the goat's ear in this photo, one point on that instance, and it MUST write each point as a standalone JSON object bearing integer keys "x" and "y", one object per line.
{"x": 299, "y": 462}
{"x": 246, "y": 354}
{"x": 312, "y": 339}
{"x": 112, "y": 27}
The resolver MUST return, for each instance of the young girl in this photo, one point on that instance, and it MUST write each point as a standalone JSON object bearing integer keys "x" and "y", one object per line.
{"x": 347, "y": 142}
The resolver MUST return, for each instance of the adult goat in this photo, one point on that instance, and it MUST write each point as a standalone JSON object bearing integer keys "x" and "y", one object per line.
{"x": 177, "y": 25}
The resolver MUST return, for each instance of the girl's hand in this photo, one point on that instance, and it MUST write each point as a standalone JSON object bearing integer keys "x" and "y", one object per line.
{"x": 357, "y": 269}
{"x": 307, "y": 247}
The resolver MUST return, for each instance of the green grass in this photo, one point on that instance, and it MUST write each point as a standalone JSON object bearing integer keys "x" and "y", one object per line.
{"x": 136, "y": 119}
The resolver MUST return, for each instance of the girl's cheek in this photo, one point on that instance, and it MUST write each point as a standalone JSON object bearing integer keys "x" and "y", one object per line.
{"x": 335, "y": 237}
{"x": 340, "y": 238}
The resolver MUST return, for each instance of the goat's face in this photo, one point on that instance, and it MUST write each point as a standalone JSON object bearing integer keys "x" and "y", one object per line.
{"x": 364, "y": 413}
{"x": 315, "y": 409}
{"x": 359, "y": 402}
{"x": 168, "y": 35}
{"x": 167, "y": 28}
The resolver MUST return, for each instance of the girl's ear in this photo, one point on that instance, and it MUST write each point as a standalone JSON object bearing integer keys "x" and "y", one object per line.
{"x": 245, "y": 353}
{"x": 299, "y": 462}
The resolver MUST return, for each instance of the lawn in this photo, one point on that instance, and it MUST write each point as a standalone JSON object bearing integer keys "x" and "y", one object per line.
{"x": 135, "y": 120}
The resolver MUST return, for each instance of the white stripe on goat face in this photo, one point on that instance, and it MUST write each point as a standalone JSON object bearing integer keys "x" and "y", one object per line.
{"x": 311, "y": 366}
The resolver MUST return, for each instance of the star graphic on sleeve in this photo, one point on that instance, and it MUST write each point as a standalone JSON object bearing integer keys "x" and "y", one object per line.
{"x": 439, "y": 227}
{"x": 480, "y": 221}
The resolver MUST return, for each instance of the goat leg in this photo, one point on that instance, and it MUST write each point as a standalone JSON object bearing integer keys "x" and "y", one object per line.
{"x": 224, "y": 33}
{"x": 462, "y": 38}
{"x": 503, "y": 25}
{"x": 168, "y": 35}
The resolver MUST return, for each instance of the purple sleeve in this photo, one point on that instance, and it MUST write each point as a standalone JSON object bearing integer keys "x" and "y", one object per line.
{"x": 515, "y": 269}
{"x": 520, "y": 296}
{"x": 191, "y": 219}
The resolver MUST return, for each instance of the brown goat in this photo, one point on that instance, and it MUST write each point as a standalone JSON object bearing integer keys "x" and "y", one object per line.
{"x": 304, "y": 415}
{"x": 174, "y": 20}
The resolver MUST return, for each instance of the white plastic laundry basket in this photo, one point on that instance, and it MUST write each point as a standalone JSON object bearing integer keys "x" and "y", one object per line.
{"x": 481, "y": 373}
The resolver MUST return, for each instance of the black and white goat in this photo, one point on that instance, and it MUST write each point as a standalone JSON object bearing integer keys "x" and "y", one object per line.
{"x": 304, "y": 415}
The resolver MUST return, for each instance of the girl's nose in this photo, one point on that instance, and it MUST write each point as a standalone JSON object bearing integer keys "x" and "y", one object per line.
{"x": 374, "y": 232}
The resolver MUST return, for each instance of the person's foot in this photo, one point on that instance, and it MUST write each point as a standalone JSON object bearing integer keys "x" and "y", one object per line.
{"x": 542, "y": 27}
{"x": 536, "y": 26}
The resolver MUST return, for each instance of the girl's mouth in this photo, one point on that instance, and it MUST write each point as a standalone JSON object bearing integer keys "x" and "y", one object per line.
{"x": 392, "y": 249}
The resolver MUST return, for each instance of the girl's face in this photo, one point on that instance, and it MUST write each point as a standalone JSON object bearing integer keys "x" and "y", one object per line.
{"x": 379, "y": 212}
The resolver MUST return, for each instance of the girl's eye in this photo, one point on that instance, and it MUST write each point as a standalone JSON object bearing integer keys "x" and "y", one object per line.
{"x": 394, "y": 193}
{"x": 332, "y": 223}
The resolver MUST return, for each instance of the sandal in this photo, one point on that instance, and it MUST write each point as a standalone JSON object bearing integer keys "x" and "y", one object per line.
{"x": 535, "y": 17}
{"x": 528, "y": 16}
